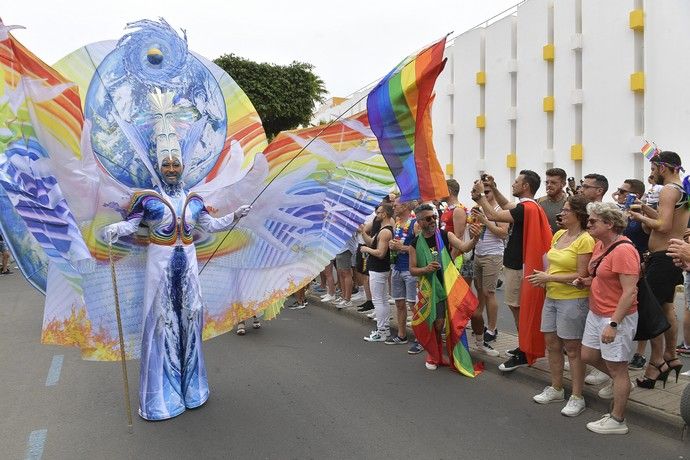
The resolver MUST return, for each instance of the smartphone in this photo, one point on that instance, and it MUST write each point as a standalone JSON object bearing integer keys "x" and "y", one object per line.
{"x": 629, "y": 200}
{"x": 484, "y": 177}
{"x": 571, "y": 183}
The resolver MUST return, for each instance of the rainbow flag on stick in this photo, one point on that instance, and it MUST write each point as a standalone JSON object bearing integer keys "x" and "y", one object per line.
{"x": 400, "y": 117}
{"x": 649, "y": 150}
{"x": 460, "y": 305}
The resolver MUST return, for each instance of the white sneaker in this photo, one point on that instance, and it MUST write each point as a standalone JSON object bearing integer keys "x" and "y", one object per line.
{"x": 596, "y": 377}
{"x": 430, "y": 366}
{"x": 607, "y": 425}
{"x": 327, "y": 298}
{"x": 549, "y": 395}
{"x": 343, "y": 304}
{"x": 377, "y": 336}
{"x": 574, "y": 407}
{"x": 391, "y": 300}
{"x": 607, "y": 391}
{"x": 484, "y": 347}
{"x": 358, "y": 296}
{"x": 372, "y": 315}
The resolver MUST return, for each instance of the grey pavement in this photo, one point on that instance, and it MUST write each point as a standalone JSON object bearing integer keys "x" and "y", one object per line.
{"x": 304, "y": 386}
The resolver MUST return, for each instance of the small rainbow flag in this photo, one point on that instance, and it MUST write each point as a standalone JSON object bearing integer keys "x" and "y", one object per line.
{"x": 400, "y": 117}
{"x": 649, "y": 150}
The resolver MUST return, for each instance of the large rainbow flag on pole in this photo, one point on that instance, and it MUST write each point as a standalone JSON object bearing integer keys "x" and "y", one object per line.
{"x": 460, "y": 305}
{"x": 400, "y": 117}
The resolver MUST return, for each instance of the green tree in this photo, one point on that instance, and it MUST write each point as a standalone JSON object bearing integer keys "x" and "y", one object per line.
{"x": 283, "y": 95}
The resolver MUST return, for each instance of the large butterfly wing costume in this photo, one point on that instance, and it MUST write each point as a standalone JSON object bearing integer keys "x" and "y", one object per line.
{"x": 75, "y": 147}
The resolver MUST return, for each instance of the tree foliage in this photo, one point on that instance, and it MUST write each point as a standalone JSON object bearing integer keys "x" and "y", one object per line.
{"x": 283, "y": 95}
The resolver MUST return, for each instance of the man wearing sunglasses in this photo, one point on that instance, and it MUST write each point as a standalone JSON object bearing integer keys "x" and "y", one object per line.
{"x": 594, "y": 187}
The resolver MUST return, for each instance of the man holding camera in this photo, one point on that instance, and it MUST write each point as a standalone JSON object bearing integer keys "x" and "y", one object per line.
{"x": 552, "y": 203}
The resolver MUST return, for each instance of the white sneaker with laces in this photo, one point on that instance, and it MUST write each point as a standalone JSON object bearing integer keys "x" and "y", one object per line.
{"x": 549, "y": 395}
{"x": 484, "y": 347}
{"x": 377, "y": 336}
{"x": 608, "y": 425}
{"x": 343, "y": 304}
{"x": 358, "y": 296}
{"x": 574, "y": 407}
{"x": 430, "y": 366}
{"x": 596, "y": 377}
{"x": 327, "y": 298}
{"x": 607, "y": 391}
{"x": 371, "y": 315}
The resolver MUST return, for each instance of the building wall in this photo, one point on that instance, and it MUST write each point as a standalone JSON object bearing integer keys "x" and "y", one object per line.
{"x": 598, "y": 122}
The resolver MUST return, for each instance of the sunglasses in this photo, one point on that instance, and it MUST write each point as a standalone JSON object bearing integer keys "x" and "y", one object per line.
{"x": 623, "y": 192}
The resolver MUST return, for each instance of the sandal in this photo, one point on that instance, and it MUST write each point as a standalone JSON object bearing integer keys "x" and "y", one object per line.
{"x": 675, "y": 368}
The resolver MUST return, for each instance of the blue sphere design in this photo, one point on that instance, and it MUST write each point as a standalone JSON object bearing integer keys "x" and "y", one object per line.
{"x": 154, "y": 56}
{"x": 119, "y": 90}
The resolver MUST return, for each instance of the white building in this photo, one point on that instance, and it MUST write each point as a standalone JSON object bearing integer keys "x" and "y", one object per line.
{"x": 577, "y": 84}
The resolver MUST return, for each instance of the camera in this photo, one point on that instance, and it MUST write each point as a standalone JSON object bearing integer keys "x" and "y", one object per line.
{"x": 484, "y": 177}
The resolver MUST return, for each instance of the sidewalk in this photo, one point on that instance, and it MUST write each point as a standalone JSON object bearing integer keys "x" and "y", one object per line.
{"x": 656, "y": 410}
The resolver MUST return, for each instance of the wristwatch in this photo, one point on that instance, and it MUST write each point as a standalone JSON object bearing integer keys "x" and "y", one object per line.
{"x": 613, "y": 324}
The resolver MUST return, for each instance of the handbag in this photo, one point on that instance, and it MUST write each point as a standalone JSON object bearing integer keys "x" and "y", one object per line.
{"x": 651, "y": 321}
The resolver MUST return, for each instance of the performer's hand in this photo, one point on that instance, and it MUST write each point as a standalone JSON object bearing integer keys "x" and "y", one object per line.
{"x": 395, "y": 245}
{"x": 242, "y": 211}
{"x": 678, "y": 250}
{"x": 110, "y": 234}
{"x": 489, "y": 181}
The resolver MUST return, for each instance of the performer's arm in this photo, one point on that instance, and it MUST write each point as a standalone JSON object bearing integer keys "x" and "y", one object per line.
{"x": 212, "y": 224}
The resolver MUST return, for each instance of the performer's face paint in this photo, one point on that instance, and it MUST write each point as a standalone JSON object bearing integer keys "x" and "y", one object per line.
{"x": 171, "y": 169}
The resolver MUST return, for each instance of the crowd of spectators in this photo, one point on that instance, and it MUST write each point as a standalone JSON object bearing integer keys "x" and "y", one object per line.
{"x": 594, "y": 254}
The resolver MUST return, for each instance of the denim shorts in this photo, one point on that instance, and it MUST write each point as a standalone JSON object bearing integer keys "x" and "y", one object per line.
{"x": 403, "y": 286}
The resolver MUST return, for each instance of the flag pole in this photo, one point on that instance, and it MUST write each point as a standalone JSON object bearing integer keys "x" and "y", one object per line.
{"x": 122, "y": 342}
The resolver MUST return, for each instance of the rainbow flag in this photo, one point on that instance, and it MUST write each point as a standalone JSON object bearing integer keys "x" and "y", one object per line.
{"x": 649, "y": 150}
{"x": 460, "y": 305}
{"x": 400, "y": 117}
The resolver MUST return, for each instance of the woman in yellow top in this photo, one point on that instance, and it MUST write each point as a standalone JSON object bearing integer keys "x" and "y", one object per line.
{"x": 566, "y": 306}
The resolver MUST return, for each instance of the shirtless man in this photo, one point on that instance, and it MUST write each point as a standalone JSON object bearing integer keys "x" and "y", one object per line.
{"x": 669, "y": 221}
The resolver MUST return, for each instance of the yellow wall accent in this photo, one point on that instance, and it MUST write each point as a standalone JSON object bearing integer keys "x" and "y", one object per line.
{"x": 449, "y": 169}
{"x": 480, "y": 78}
{"x": 511, "y": 160}
{"x": 481, "y": 121}
{"x": 637, "y": 20}
{"x": 549, "y": 103}
{"x": 576, "y": 152}
{"x": 637, "y": 81}
{"x": 549, "y": 52}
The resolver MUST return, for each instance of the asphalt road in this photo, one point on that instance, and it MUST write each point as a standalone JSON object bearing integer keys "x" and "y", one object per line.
{"x": 304, "y": 386}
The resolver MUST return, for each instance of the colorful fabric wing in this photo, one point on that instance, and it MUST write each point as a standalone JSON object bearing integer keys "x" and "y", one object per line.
{"x": 37, "y": 106}
{"x": 399, "y": 110}
{"x": 312, "y": 205}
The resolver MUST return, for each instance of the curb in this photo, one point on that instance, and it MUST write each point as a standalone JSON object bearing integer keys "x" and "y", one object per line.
{"x": 642, "y": 415}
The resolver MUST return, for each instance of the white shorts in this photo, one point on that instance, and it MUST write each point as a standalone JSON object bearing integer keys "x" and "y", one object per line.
{"x": 622, "y": 348}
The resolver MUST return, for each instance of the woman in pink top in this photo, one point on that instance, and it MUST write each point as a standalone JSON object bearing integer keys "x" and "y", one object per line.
{"x": 607, "y": 343}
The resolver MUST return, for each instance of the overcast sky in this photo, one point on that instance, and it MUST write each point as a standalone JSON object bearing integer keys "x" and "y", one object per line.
{"x": 351, "y": 43}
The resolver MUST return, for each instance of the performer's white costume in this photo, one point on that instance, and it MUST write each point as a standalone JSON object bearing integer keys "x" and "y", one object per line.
{"x": 173, "y": 375}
